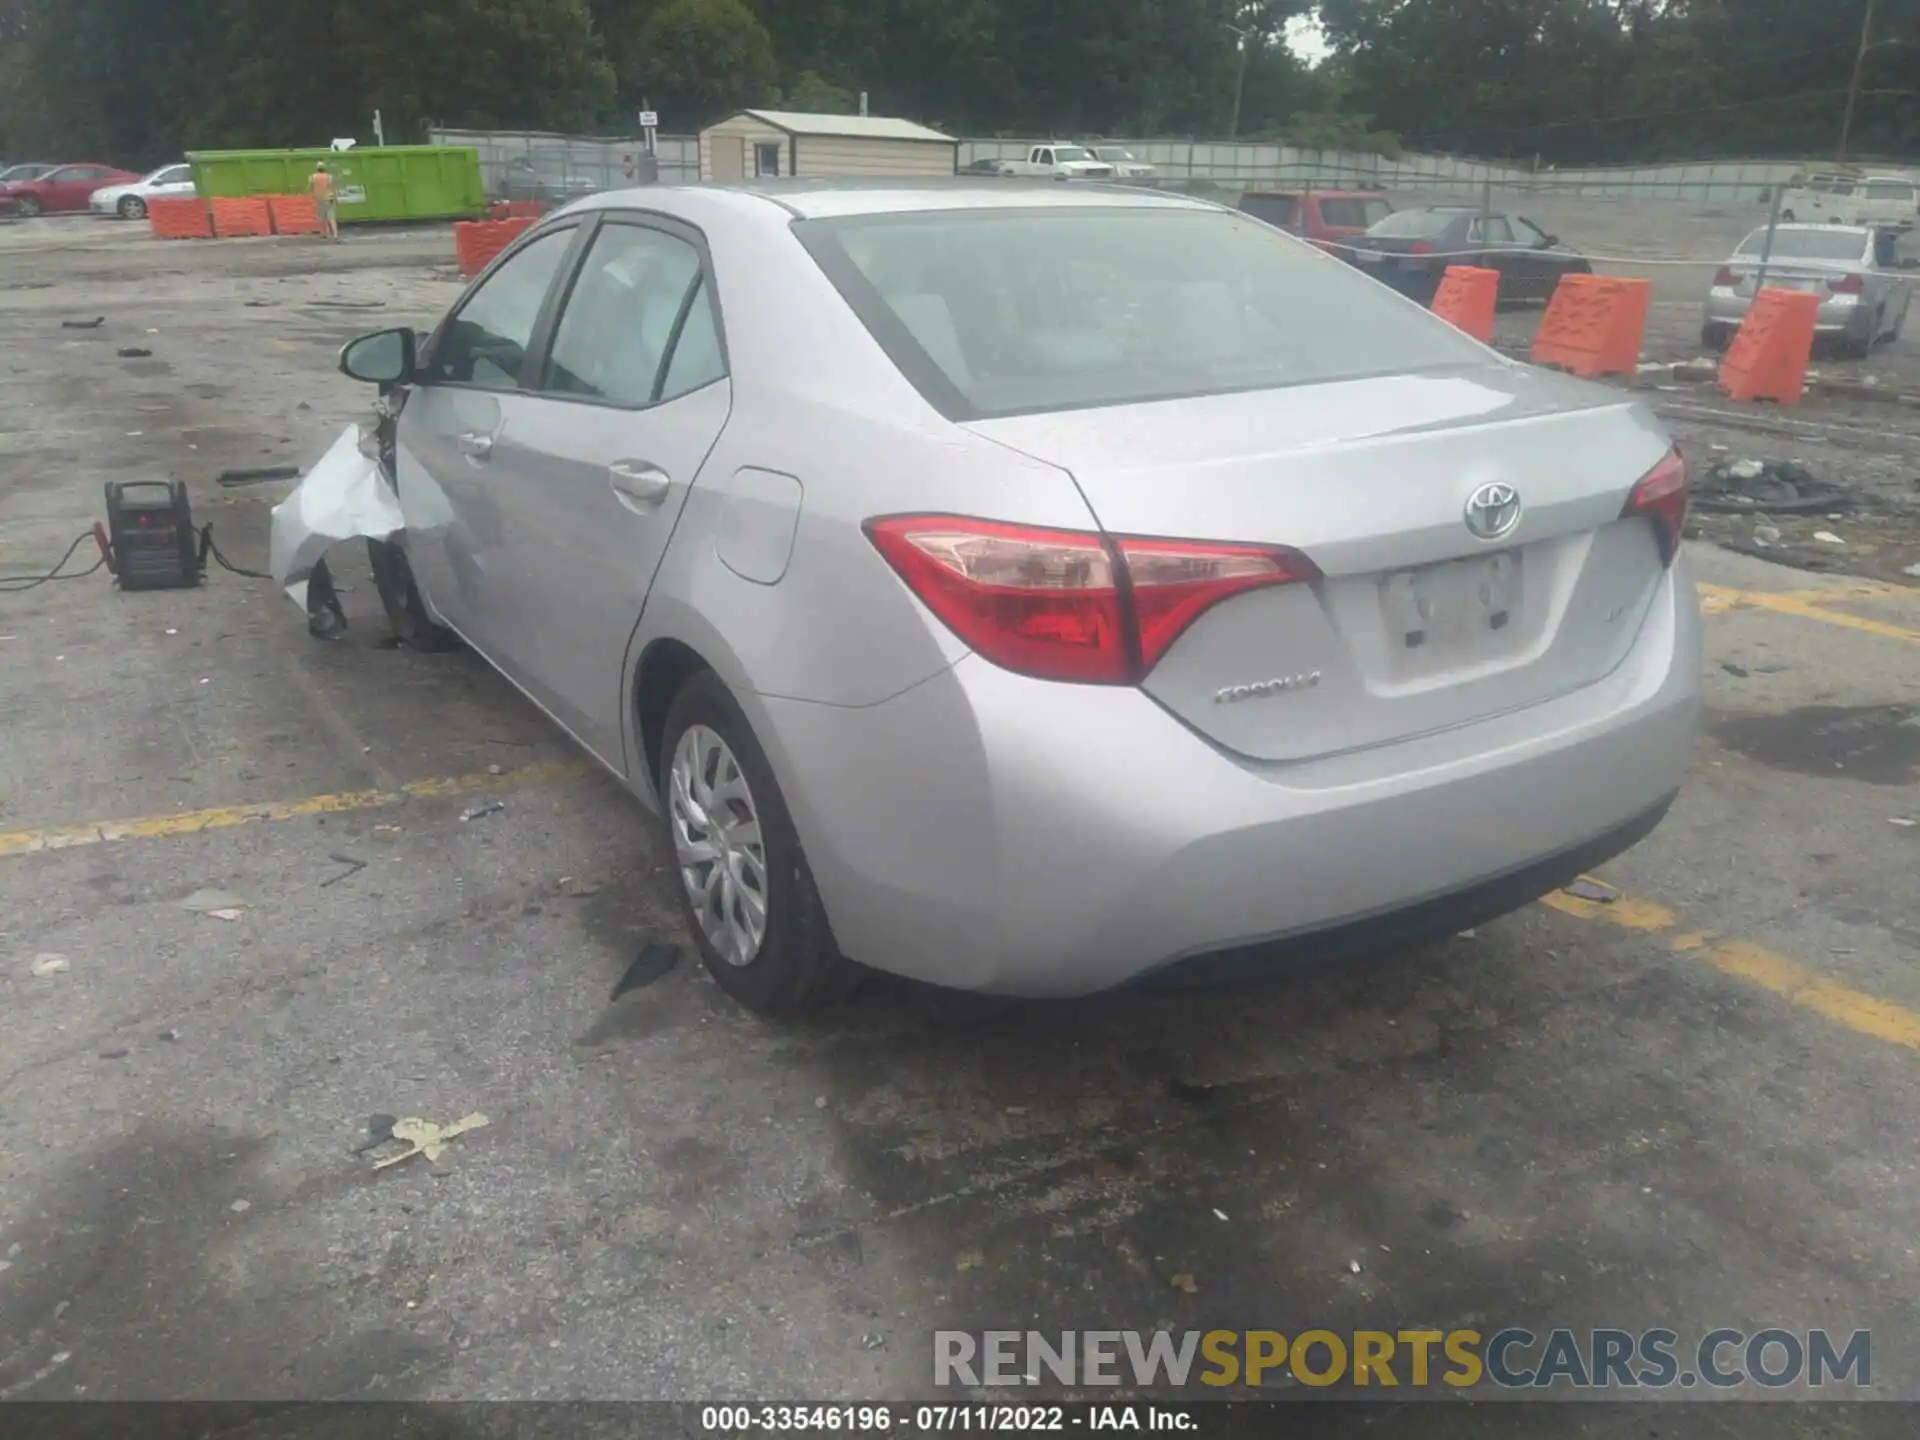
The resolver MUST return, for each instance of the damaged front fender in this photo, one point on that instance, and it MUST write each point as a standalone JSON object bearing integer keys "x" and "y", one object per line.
{"x": 346, "y": 496}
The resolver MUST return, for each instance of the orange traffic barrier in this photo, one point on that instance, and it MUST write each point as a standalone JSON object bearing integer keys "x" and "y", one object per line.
{"x": 179, "y": 219}
{"x": 477, "y": 242}
{"x": 1593, "y": 325}
{"x": 1467, "y": 297}
{"x": 294, "y": 215}
{"x": 234, "y": 217}
{"x": 516, "y": 209}
{"x": 1768, "y": 357}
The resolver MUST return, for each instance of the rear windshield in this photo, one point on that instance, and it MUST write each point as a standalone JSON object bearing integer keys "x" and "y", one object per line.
{"x": 1888, "y": 190}
{"x": 1414, "y": 224}
{"x": 1007, "y": 312}
{"x": 1354, "y": 214}
{"x": 1808, "y": 244}
{"x": 1281, "y": 210}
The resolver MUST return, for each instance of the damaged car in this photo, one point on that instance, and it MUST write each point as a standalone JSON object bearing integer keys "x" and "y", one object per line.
{"x": 1031, "y": 593}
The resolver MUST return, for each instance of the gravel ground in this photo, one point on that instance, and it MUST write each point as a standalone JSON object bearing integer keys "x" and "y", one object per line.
{"x": 1689, "y": 1107}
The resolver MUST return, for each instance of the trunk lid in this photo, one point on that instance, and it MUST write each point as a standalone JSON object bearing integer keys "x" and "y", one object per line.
{"x": 1416, "y": 624}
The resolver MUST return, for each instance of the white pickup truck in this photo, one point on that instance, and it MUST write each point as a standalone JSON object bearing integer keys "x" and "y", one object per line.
{"x": 1062, "y": 162}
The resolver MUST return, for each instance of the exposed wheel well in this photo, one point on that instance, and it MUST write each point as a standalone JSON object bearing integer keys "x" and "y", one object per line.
{"x": 666, "y": 666}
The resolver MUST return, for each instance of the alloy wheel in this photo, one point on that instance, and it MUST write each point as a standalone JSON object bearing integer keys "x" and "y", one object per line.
{"x": 717, "y": 841}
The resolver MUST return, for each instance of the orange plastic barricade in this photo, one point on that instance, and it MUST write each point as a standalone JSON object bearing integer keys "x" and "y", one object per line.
{"x": 477, "y": 242}
{"x": 179, "y": 219}
{"x": 516, "y": 210}
{"x": 1593, "y": 325}
{"x": 234, "y": 217}
{"x": 1768, "y": 357}
{"x": 1467, "y": 297}
{"x": 294, "y": 215}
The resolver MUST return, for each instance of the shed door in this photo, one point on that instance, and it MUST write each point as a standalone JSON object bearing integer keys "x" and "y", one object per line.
{"x": 728, "y": 153}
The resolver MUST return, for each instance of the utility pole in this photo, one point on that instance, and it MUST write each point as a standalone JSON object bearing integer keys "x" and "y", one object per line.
{"x": 1239, "y": 79}
{"x": 1853, "y": 86}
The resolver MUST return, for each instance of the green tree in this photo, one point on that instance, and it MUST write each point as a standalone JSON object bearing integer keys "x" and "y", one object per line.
{"x": 700, "y": 59}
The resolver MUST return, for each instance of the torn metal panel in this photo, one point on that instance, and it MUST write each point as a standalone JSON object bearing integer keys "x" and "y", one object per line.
{"x": 344, "y": 497}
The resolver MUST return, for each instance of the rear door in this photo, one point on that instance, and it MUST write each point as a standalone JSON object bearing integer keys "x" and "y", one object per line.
{"x": 594, "y": 461}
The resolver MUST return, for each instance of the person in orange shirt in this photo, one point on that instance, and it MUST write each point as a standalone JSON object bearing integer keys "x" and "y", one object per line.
{"x": 321, "y": 188}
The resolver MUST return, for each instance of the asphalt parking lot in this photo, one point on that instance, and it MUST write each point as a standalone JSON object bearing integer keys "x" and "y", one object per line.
{"x": 1688, "y": 1107}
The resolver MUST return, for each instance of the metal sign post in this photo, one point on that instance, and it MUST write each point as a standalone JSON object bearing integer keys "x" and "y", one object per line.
{"x": 1766, "y": 247}
{"x": 649, "y": 127}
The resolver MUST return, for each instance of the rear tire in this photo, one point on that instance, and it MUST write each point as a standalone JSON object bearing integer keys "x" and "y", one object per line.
{"x": 1786, "y": 217}
{"x": 406, "y": 611}
{"x": 1715, "y": 337}
{"x": 735, "y": 851}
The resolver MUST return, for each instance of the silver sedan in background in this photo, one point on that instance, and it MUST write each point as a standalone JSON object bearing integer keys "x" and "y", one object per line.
{"x": 1864, "y": 282}
{"x": 1037, "y": 591}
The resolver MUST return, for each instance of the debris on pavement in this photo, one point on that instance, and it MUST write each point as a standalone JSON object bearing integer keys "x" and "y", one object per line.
{"x": 427, "y": 1138}
{"x": 172, "y": 1037}
{"x": 482, "y": 810}
{"x": 379, "y": 1132}
{"x": 1218, "y": 1213}
{"x": 655, "y": 959}
{"x": 1354, "y": 1266}
{"x": 220, "y": 904}
{"x": 354, "y": 867}
{"x": 1902, "y": 821}
{"x": 49, "y": 964}
{"x": 240, "y": 1207}
{"x": 1585, "y": 889}
{"x": 873, "y": 1340}
{"x": 93, "y": 324}
{"x": 576, "y": 889}
{"x": 1782, "y": 487}
{"x": 115, "y": 1054}
{"x": 1827, "y": 537}
{"x": 1739, "y": 672}
{"x": 1185, "y": 1283}
{"x": 258, "y": 475}
{"x": 134, "y": 352}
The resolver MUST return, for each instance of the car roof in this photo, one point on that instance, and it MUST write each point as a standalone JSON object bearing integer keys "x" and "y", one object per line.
{"x": 821, "y": 199}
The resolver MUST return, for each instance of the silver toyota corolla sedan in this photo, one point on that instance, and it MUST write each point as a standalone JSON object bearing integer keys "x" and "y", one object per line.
{"x": 1038, "y": 590}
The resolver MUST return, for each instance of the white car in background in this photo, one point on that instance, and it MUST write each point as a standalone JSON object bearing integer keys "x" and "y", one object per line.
{"x": 129, "y": 202}
{"x": 1126, "y": 165}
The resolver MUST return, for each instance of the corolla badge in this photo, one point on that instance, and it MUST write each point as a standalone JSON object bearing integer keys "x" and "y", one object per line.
{"x": 1493, "y": 510}
{"x": 1260, "y": 689}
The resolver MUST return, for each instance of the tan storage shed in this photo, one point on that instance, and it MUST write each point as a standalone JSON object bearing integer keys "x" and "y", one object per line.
{"x": 756, "y": 143}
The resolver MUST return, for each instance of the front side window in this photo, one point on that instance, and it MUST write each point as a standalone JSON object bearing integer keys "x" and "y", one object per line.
{"x": 1015, "y": 312}
{"x": 486, "y": 343}
{"x": 1071, "y": 152}
{"x": 623, "y": 316}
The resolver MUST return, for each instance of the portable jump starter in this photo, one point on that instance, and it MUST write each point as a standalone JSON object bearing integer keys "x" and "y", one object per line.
{"x": 149, "y": 544}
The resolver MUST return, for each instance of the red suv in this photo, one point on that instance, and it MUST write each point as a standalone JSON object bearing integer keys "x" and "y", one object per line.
{"x": 60, "y": 191}
{"x": 1324, "y": 217}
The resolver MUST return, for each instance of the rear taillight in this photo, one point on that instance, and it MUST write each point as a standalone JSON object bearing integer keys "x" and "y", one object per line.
{"x": 1661, "y": 496}
{"x": 1726, "y": 277}
{"x": 1847, "y": 285}
{"x": 1070, "y": 604}
{"x": 1420, "y": 247}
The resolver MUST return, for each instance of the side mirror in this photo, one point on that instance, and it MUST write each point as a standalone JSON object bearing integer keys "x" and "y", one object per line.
{"x": 385, "y": 357}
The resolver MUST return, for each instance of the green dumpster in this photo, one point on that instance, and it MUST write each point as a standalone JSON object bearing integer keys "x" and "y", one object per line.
{"x": 388, "y": 182}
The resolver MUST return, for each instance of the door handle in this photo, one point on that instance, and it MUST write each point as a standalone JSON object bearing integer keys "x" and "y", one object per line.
{"x": 475, "y": 446}
{"x": 637, "y": 484}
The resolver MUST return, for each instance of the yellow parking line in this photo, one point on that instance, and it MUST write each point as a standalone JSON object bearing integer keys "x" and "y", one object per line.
{"x": 1743, "y": 960}
{"x": 188, "y": 822}
{"x": 1717, "y": 599}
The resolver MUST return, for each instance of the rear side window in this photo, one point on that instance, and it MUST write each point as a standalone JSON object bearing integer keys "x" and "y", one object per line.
{"x": 1005, "y": 312}
{"x": 1414, "y": 224}
{"x": 622, "y": 316}
{"x": 1281, "y": 210}
{"x": 1889, "y": 190}
{"x": 1354, "y": 214}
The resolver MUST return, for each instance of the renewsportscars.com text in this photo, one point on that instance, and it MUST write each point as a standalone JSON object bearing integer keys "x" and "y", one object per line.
{"x": 1513, "y": 1358}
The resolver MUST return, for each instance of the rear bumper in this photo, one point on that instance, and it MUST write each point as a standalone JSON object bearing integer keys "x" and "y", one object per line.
{"x": 1852, "y": 321}
{"x": 988, "y": 832}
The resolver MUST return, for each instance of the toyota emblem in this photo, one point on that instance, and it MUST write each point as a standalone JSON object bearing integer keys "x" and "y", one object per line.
{"x": 1493, "y": 510}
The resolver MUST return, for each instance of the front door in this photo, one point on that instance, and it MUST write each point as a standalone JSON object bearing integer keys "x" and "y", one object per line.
{"x": 594, "y": 463}
{"x": 451, "y": 427}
